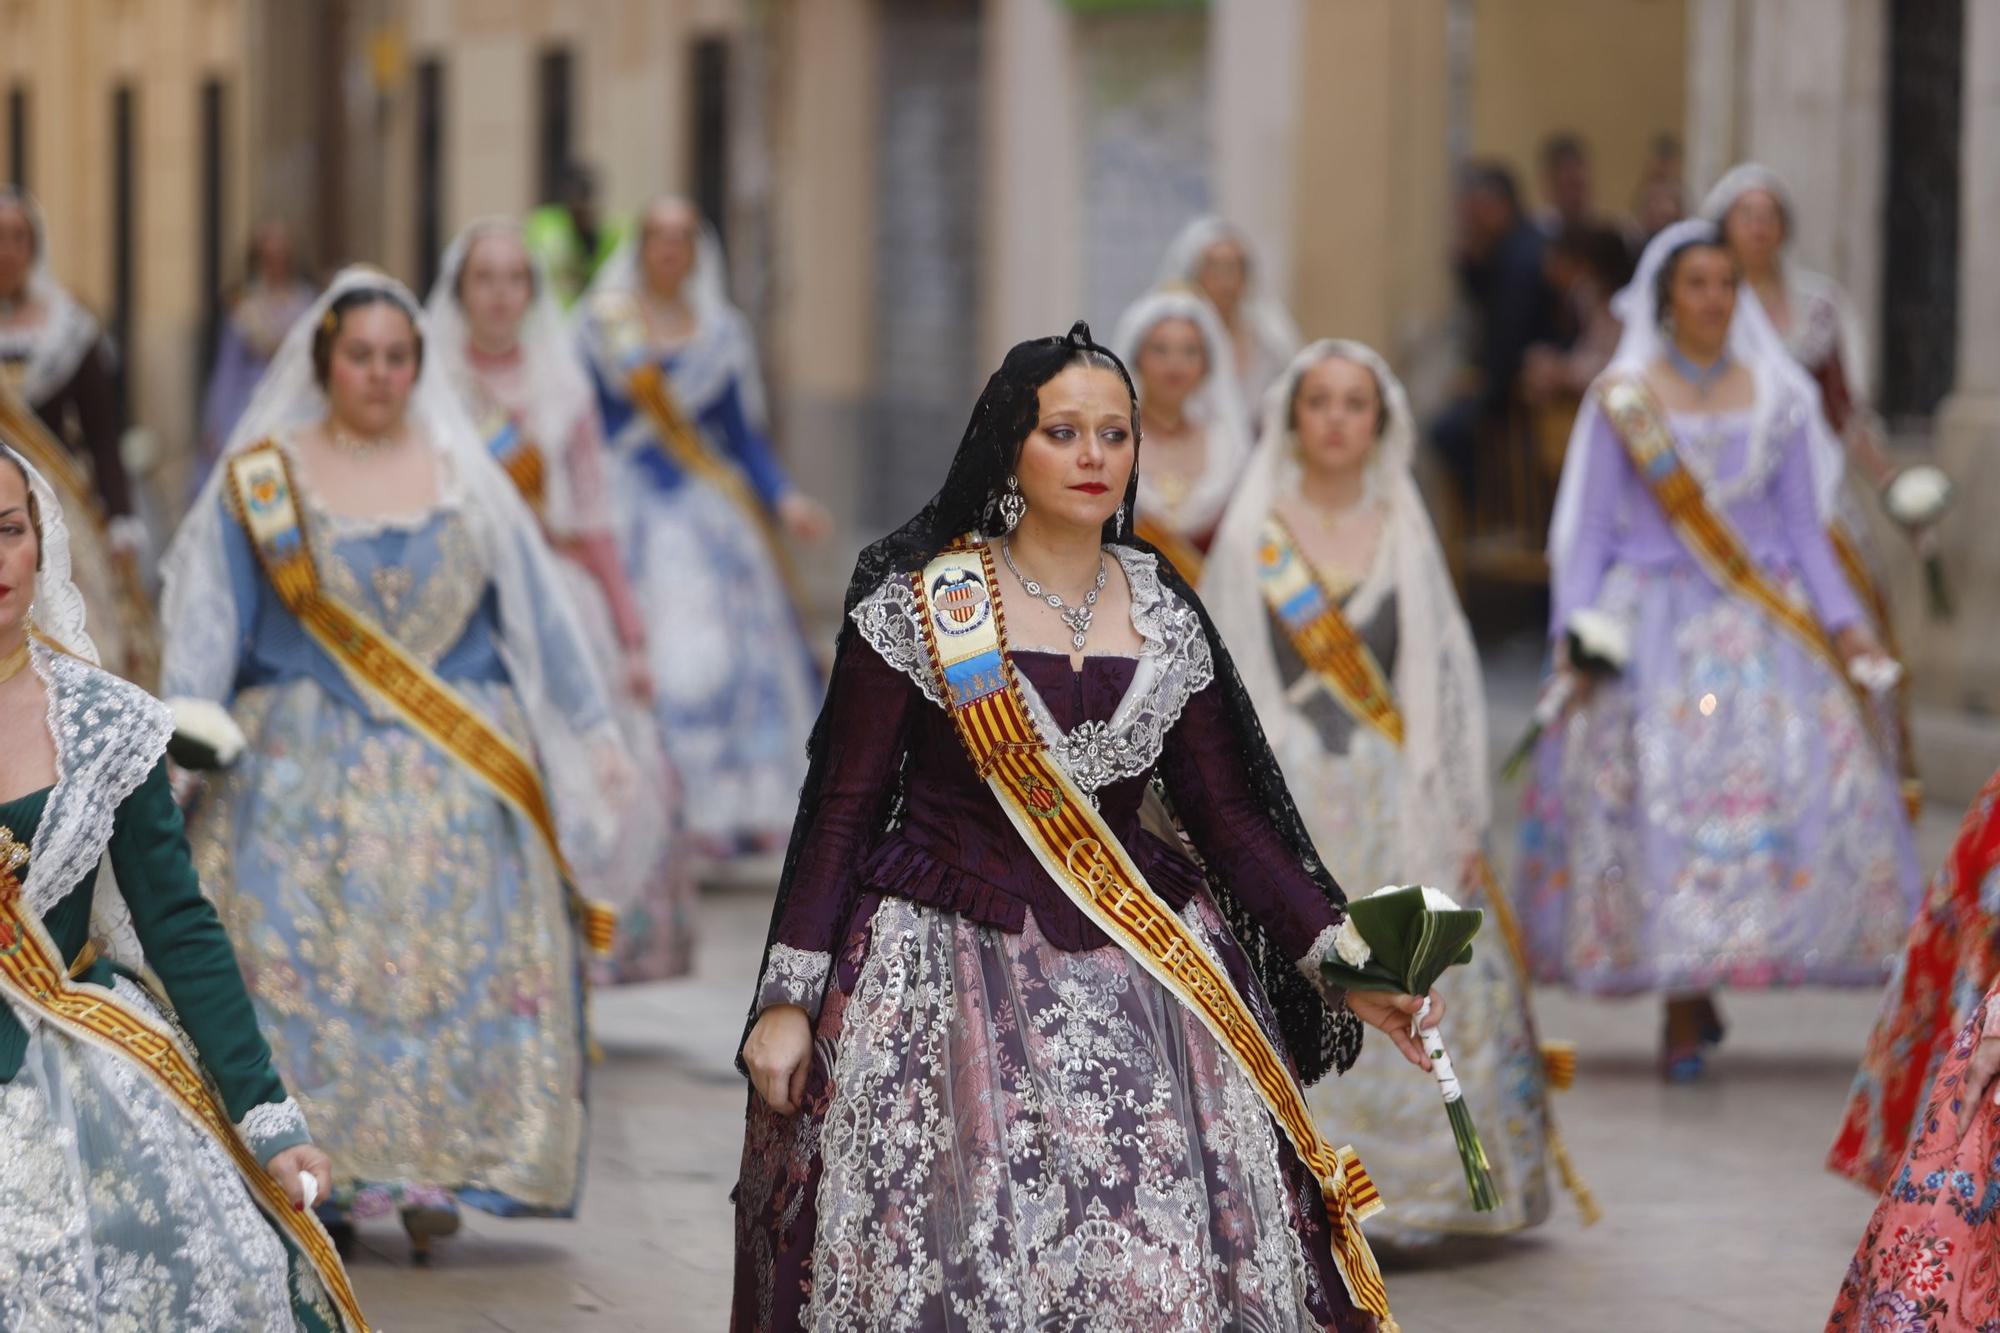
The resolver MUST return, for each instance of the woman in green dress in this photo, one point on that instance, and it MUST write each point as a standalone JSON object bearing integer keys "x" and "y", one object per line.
{"x": 153, "y": 1170}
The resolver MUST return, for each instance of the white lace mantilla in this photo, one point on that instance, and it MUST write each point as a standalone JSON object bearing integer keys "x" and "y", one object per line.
{"x": 108, "y": 735}
{"x": 794, "y": 976}
{"x": 1174, "y": 666}
{"x": 272, "y": 1127}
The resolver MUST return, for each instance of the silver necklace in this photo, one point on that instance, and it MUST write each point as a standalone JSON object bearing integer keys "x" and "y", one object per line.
{"x": 356, "y": 446}
{"x": 1077, "y": 618}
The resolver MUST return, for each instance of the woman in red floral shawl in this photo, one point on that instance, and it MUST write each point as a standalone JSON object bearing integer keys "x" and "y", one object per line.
{"x": 1930, "y": 1259}
{"x": 1951, "y": 961}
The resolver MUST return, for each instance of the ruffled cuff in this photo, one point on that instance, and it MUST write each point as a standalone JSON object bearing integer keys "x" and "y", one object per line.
{"x": 794, "y": 976}
{"x": 272, "y": 1127}
{"x": 1325, "y": 945}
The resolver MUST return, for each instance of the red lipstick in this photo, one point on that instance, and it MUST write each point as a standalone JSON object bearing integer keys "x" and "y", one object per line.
{"x": 1091, "y": 487}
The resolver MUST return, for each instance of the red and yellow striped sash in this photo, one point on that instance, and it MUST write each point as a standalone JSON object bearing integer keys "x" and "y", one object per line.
{"x": 261, "y": 495}
{"x": 965, "y": 634}
{"x": 34, "y": 977}
{"x": 521, "y": 459}
{"x": 1641, "y": 426}
{"x": 1320, "y": 633}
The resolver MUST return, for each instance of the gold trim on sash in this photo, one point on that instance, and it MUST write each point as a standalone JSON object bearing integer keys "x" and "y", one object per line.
{"x": 521, "y": 459}
{"x": 964, "y": 628}
{"x": 1327, "y": 642}
{"x": 648, "y": 386}
{"x": 33, "y": 975}
{"x": 1181, "y": 553}
{"x": 1637, "y": 420}
{"x": 262, "y": 496}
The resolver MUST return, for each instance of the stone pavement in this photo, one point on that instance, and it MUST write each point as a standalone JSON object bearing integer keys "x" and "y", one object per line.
{"x": 1718, "y": 1215}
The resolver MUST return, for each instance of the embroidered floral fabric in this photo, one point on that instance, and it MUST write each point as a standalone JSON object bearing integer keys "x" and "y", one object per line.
{"x": 1009, "y": 1136}
{"x": 1951, "y": 961}
{"x": 115, "y": 1213}
{"x": 1930, "y": 1259}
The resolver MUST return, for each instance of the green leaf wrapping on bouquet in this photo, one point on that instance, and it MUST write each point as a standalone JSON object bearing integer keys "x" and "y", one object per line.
{"x": 1410, "y": 945}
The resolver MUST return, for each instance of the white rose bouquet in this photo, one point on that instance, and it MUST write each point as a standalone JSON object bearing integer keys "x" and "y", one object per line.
{"x": 1916, "y": 498}
{"x": 1599, "y": 647}
{"x": 205, "y": 736}
{"x": 1401, "y": 939}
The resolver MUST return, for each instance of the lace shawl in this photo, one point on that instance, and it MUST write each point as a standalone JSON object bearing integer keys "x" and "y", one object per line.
{"x": 1174, "y": 665}
{"x": 108, "y": 734}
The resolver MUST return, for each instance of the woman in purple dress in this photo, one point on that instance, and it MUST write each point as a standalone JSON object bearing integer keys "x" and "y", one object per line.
{"x": 1724, "y": 811}
{"x": 977, "y": 1104}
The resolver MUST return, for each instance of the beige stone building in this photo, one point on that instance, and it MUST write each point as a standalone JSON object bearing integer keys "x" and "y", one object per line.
{"x": 906, "y": 186}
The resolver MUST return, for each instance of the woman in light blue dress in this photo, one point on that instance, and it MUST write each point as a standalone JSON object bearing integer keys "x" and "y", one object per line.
{"x": 735, "y": 685}
{"x": 403, "y": 926}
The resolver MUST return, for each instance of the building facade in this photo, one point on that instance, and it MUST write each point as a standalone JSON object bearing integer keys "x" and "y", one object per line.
{"x": 907, "y": 186}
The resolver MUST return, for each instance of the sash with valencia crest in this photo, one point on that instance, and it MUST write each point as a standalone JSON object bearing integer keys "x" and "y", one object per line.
{"x": 263, "y": 498}
{"x": 965, "y": 634}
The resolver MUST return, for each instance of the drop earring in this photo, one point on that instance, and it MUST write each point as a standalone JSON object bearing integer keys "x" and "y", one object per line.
{"x": 1013, "y": 504}
{"x": 1118, "y": 526}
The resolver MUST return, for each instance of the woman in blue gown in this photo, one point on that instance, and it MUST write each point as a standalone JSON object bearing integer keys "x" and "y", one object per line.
{"x": 708, "y": 510}
{"x": 384, "y": 853}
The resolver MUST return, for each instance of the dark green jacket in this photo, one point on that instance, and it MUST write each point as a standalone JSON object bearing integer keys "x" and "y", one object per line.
{"x": 184, "y": 942}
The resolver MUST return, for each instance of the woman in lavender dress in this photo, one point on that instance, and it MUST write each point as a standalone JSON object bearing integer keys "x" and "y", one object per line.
{"x": 973, "y": 1109}
{"x": 1724, "y": 812}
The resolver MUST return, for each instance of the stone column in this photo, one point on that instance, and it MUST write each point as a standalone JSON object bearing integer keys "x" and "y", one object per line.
{"x": 1253, "y": 90}
{"x": 1814, "y": 109}
{"x": 824, "y": 114}
{"x": 1962, "y": 666}
{"x": 1371, "y": 208}
{"x": 1032, "y": 266}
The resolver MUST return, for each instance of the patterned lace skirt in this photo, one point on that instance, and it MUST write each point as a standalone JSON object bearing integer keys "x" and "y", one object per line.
{"x": 117, "y": 1214}
{"x": 407, "y": 943}
{"x": 734, "y": 684}
{"x": 998, "y": 1135}
{"x": 1720, "y": 815}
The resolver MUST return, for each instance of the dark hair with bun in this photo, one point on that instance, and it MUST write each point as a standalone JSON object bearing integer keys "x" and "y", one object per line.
{"x": 336, "y": 315}
{"x": 34, "y": 505}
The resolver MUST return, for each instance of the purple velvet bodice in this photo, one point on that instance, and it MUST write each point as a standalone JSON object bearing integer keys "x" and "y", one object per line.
{"x": 954, "y": 848}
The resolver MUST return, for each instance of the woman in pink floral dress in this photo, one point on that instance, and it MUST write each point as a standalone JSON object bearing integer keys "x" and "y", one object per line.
{"x": 1930, "y": 1260}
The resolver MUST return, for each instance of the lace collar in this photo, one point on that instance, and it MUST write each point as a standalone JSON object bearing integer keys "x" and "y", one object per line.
{"x": 1174, "y": 664}
{"x": 108, "y": 735}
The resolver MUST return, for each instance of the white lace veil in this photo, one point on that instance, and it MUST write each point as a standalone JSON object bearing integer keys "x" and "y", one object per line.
{"x": 108, "y": 736}
{"x": 721, "y": 346}
{"x": 1216, "y": 404}
{"x": 68, "y": 331}
{"x": 1444, "y": 805}
{"x": 1803, "y": 287}
{"x": 1270, "y": 324}
{"x": 1782, "y": 387}
{"x": 547, "y": 661}
{"x": 558, "y": 387}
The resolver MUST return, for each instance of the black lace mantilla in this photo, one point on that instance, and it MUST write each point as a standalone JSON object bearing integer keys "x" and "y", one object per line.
{"x": 1319, "y": 1039}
